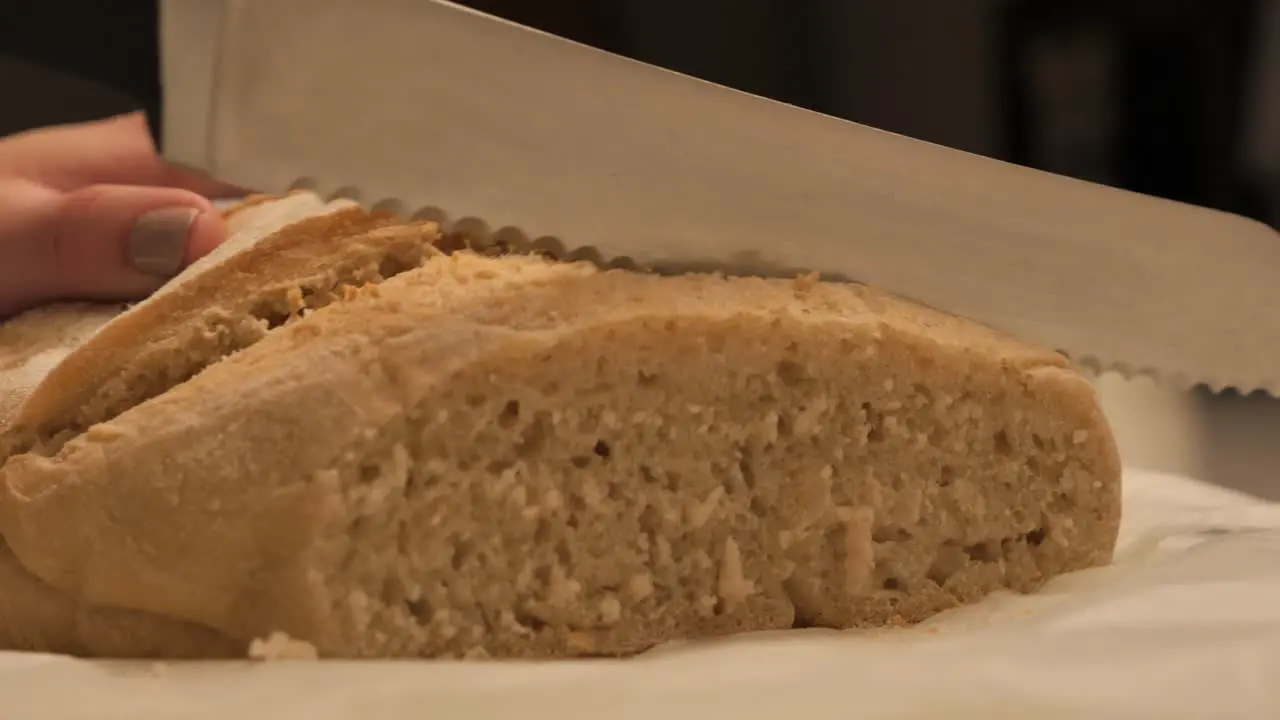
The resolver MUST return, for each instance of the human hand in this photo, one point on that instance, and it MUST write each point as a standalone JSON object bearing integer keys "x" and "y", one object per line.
{"x": 90, "y": 211}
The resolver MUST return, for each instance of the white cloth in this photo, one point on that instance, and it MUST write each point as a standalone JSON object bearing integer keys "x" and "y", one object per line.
{"x": 1185, "y": 624}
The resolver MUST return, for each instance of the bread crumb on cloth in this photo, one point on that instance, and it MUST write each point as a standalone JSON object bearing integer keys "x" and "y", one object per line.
{"x": 279, "y": 646}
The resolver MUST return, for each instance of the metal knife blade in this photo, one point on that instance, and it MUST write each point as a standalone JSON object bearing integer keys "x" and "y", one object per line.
{"x": 435, "y": 105}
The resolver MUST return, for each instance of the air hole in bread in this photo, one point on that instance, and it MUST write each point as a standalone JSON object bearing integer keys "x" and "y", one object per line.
{"x": 1002, "y": 444}
{"x": 530, "y": 620}
{"x": 791, "y": 373}
{"x": 369, "y": 472}
{"x": 462, "y": 553}
{"x": 983, "y": 551}
{"x": 564, "y": 554}
{"x": 510, "y": 415}
{"x": 946, "y": 476}
{"x": 890, "y": 534}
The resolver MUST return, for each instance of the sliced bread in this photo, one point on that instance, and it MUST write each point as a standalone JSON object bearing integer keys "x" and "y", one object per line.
{"x": 285, "y": 256}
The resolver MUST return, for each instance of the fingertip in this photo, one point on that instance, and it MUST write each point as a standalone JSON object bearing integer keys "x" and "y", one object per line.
{"x": 208, "y": 231}
{"x": 113, "y": 242}
{"x": 134, "y": 119}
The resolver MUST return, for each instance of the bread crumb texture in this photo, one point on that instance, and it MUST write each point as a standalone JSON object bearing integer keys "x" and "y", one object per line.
{"x": 468, "y": 456}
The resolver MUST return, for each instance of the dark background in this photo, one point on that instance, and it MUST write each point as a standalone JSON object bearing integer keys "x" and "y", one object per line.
{"x": 1151, "y": 95}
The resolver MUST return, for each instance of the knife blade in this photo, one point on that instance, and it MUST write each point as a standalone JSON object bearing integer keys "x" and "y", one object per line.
{"x": 432, "y": 105}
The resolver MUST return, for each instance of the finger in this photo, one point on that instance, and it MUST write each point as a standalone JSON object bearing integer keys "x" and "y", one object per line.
{"x": 171, "y": 176}
{"x": 117, "y": 150}
{"x": 108, "y": 242}
{"x": 114, "y": 151}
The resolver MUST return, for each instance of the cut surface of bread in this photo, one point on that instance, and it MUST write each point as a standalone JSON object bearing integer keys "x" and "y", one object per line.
{"x": 511, "y": 457}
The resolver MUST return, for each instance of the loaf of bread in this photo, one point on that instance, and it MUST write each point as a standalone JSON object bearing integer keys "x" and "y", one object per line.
{"x": 336, "y": 431}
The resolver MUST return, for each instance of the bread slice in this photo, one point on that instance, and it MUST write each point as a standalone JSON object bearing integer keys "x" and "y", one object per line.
{"x": 37, "y": 341}
{"x": 34, "y": 342}
{"x": 285, "y": 256}
{"x": 513, "y": 458}
{"x": 33, "y": 614}
{"x": 65, "y": 366}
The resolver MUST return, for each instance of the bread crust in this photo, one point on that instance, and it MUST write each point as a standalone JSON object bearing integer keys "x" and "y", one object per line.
{"x": 943, "y": 461}
{"x": 37, "y": 617}
{"x": 283, "y": 258}
{"x": 35, "y": 342}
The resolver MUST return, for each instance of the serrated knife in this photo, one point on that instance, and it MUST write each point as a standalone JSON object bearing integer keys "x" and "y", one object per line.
{"x": 434, "y": 105}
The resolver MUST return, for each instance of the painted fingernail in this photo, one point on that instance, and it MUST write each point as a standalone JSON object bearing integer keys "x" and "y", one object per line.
{"x": 158, "y": 243}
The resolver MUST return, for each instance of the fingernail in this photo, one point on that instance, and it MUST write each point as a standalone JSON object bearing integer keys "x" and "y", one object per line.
{"x": 158, "y": 243}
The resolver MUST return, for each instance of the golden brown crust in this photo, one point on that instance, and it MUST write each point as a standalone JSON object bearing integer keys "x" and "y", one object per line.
{"x": 256, "y": 200}
{"x": 35, "y": 616}
{"x": 222, "y": 296}
{"x": 244, "y": 204}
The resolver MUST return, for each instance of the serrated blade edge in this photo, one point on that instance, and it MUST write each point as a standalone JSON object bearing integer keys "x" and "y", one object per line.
{"x": 438, "y": 106}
